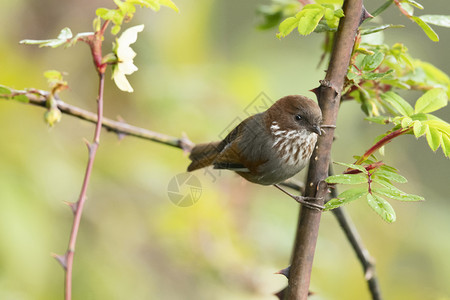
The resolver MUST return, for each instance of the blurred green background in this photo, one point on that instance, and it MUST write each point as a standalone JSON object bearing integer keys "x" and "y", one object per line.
{"x": 198, "y": 70}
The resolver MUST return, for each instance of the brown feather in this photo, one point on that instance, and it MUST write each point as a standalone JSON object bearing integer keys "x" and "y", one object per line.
{"x": 203, "y": 155}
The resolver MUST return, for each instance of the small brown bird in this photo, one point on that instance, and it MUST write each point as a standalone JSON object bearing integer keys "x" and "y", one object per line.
{"x": 269, "y": 147}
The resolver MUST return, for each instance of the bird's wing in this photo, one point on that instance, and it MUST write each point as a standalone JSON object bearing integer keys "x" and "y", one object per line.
{"x": 229, "y": 158}
{"x": 244, "y": 149}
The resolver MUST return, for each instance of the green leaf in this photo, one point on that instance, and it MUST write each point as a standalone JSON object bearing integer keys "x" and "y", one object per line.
{"x": 374, "y": 29}
{"x": 169, "y": 4}
{"x": 423, "y": 130}
{"x": 347, "y": 179}
{"x": 375, "y": 76}
{"x": 431, "y": 101}
{"x": 398, "y": 103}
{"x": 352, "y": 166}
{"x": 153, "y": 4}
{"x": 434, "y": 137}
{"x": 389, "y": 175}
{"x": 21, "y": 98}
{"x": 287, "y": 26}
{"x": 408, "y": 8}
{"x": 381, "y": 207}
{"x": 426, "y": 28}
{"x": 4, "y": 90}
{"x": 415, "y": 3}
{"x": 378, "y": 119}
{"x": 309, "y": 18}
{"x": 346, "y": 197}
{"x": 417, "y": 129}
{"x": 397, "y": 194}
{"x": 406, "y": 122}
{"x": 382, "y": 8}
{"x": 437, "y": 20}
{"x": 371, "y": 62}
{"x": 445, "y": 145}
{"x": 115, "y": 29}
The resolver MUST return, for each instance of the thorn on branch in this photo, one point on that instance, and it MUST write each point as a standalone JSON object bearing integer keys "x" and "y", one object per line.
{"x": 280, "y": 294}
{"x": 365, "y": 15}
{"x": 316, "y": 91}
{"x": 73, "y": 206}
{"x": 62, "y": 259}
{"x": 284, "y": 272}
{"x": 121, "y": 135}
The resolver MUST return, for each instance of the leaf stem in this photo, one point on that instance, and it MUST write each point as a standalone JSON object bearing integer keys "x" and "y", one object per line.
{"x": 387, "y": 139}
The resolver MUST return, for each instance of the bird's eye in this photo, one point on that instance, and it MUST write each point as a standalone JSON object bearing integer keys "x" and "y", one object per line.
{"x": 298, "y": 117}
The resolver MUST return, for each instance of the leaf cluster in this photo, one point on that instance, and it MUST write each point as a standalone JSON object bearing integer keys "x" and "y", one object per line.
{"x": 377, "y": 186}
{"x": 125, "y": 11}
{"x": 310, "y": 17}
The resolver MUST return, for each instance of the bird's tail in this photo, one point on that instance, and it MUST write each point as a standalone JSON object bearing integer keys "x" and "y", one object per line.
{"x": 203, "y": 155}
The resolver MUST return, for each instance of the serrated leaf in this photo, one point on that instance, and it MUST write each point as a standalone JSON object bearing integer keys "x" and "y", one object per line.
{"x": 398, "y": 103}
{"x": 397, "y": 195}
{"x": 347, "y": 179}
{"x": 381, "y": 207}
{"x": 406, "y": 122}
{"x": 445, "y": 145}
{"x": 371, "y": 62}
{"x": 433, "y": 138}
{"x": 440, "y": 125}
{"x": 346, "y": 197}
{"x": 287, "y": 26}
{"x": 383, "y": 173}
{"x": 417, "y": 129}
{"x": 352, "y": 166}
{"x": 432, "y": 35}
{"x": 432, "y": 100}
{"x": 309, "y": 18}
{"x": 438, "y": 20}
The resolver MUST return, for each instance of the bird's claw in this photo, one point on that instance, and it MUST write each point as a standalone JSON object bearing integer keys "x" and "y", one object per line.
{"x": 304, "y": 201}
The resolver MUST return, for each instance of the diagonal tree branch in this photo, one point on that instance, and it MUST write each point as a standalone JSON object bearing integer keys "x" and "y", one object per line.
{"x": 39, "y": 98}
{"x": 329, "y": 94}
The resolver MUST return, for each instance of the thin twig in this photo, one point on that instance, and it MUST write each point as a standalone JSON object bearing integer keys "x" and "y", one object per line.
{"x": 39, "y": 98}
{"x": 78, "y": 206}
{"x": 350, "y": 231}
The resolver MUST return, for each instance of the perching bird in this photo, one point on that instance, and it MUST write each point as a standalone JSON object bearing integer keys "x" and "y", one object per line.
{"x": 269, "y": 147}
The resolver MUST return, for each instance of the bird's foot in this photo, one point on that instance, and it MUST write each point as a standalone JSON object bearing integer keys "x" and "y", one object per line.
{"x": 304, "y": 201}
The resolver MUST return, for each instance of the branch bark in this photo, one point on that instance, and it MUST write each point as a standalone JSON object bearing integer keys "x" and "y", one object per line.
{"x": 39, "y": 98}
{"x": 329, "y": 94}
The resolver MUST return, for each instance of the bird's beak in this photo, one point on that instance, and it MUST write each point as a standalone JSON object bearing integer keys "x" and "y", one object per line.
{"x": 316, "y": 129}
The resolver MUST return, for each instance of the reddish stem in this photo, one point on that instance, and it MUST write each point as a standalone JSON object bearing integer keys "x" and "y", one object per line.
{"x": 78, "y": 206}
{"x": 388, "y": 138}
{"x": 95, "y": 43}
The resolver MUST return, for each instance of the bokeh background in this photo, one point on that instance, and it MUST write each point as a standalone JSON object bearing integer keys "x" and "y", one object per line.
{"x": 198, "y": 70}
